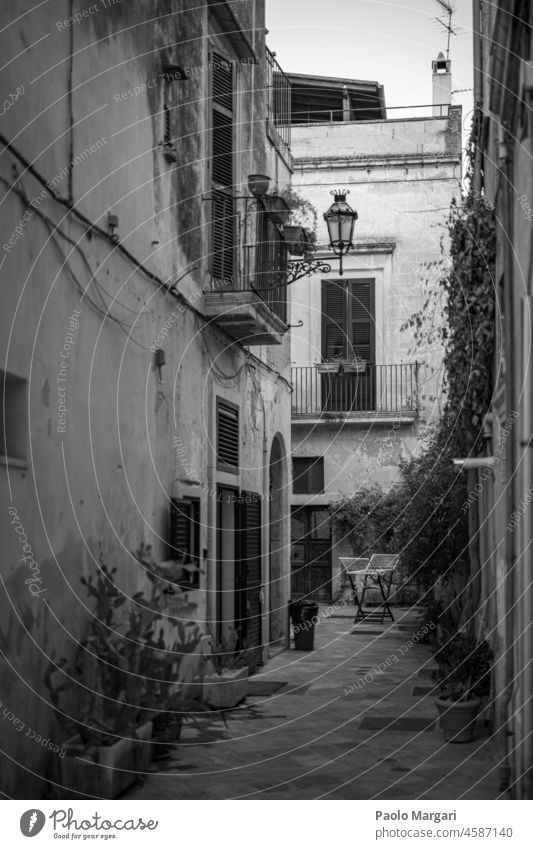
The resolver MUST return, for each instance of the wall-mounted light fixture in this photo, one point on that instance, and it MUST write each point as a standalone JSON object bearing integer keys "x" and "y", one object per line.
{"x": 340, "y": 219}
{"x": 160, "y": 360}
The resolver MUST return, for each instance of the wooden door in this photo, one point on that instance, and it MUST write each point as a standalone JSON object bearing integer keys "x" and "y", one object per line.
{"x": 311, "y": 553}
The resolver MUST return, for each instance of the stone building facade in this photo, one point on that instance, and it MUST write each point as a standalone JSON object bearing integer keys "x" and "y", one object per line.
{"x": 350, "y": 431}
{"x": 503, "y": 494}
{"x": 145, "y": 353}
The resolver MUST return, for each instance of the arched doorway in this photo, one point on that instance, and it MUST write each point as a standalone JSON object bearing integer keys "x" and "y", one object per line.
{"x": 279, "y": 526}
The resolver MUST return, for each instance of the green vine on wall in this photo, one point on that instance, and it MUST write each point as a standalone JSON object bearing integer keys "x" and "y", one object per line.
{"x": 467, "y": 293}
{"x": 422, "y": 516}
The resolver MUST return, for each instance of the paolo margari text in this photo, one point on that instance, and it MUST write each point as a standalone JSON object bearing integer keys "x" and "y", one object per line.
{"x": 70, "y": 826}
{"x": 414, "y": 816}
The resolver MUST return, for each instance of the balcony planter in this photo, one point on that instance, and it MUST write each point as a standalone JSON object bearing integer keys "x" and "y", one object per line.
{"x": 340, "y": 367}
{"x": 457, "y": 719}
{"x": 328, "y": 368}
{"x": 105, "y": 771}
{"x": 227, "y": 688}
{"x": 296, "y": 240}
{"x": 356, "y": 366}
{"x": 277, "y": 209}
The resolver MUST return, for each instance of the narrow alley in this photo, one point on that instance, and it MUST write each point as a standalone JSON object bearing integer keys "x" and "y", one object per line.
{"x": 309, "y": 740}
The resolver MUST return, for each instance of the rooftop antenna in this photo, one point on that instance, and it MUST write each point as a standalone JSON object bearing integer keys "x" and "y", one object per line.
{"x": 448, "y": 9}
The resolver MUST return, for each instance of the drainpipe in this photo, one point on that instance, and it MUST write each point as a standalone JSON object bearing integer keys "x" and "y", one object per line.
{"x": 512, "y": 584}
{"x": 526, "y": 582}
{"x": 211, "y": 577}
{"x": 264, "y": 598}
{"x": 478, "y": 88}
{"x": 71, "y": 108}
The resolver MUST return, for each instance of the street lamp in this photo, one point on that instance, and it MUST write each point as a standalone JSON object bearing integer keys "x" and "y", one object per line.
{"x": 340, "y": 219}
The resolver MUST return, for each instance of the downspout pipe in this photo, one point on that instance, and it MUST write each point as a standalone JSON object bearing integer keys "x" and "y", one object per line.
{"x": 526, "y": 588}
{"x": 512, "y": 577}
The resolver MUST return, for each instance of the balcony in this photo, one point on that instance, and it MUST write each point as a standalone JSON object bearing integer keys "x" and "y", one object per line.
{"x": 380, "y": 393}
{"x": 245, "y": 315}
{"x": 251, "y": 305}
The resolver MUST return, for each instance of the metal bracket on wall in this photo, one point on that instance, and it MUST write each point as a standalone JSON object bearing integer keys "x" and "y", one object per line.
{"x": 297, "y": 269}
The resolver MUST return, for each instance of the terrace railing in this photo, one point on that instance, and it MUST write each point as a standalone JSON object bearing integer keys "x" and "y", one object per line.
{"x": 382, "y": 389}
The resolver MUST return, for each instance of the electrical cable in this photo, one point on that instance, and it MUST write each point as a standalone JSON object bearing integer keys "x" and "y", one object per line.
{"x": 117, "y": 246}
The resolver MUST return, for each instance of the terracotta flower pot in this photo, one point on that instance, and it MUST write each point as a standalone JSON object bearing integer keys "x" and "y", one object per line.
{"x": 457, "y": 719}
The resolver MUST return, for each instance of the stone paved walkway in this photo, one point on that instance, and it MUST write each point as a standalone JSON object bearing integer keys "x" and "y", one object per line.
{"x": 379, "y": 741}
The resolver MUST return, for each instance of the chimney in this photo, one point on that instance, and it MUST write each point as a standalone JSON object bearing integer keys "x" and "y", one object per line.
{"x": 442, "y": 85}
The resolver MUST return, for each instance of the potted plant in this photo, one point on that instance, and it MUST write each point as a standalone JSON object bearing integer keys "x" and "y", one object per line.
{"x": 341, "y": 365}
{"x": 296, "y": 239}
{"x": 276, "y": 208}
{"x": 225, "y": 681}
{"x": 124, "y": 678}
{"x": 357, "y": 365}
{"x": 464, "y": 667}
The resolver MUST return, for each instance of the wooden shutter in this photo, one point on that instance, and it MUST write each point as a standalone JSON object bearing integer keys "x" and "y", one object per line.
{"x": 222, "y": 86}
{"x": 227, "y": 436}
{"x": 222, "y": 149}
{"x": 251, "y": 547}
{"x": 334, "y": 338}
{"x": 180, "y": 529}
{"x": 361, "y": 295}
{"x": 222, "y": 224}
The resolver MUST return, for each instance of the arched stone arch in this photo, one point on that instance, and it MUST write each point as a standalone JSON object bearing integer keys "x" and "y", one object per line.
{"x": 279, "y": 541}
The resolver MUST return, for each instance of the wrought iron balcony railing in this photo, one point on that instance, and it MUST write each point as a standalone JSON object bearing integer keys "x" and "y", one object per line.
{"x": 382, "y": 389}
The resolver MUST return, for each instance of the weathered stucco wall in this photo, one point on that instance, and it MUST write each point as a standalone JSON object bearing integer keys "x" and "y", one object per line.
{"x": 402, "y": 176}
{"x": 104, "y": 480}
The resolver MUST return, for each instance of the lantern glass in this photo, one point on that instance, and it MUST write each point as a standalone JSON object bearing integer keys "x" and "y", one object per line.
{"x": 340, "y": 219}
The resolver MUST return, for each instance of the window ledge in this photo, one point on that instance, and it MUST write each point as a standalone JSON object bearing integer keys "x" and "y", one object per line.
{"x": 13, "y": 462}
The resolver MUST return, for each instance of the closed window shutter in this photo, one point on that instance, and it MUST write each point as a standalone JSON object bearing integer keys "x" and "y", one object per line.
{"x": 334, "y": 339}
{"x": 222, "y": 235}
{"x": 222, "y": 82}
{"x": 363, "y": 318}
{"x": 251, "y": 545}
{"x": 227, "y": 437}
{"x": 180, "y": 529}
{"x": 222, "y": 148}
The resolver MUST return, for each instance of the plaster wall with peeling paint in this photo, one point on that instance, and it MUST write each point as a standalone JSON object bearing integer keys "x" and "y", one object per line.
{"x": 95, "y": 478}
{"x": 402, "y": 176}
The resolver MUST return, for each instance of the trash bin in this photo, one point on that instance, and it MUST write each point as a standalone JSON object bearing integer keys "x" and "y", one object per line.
{"x": 303, "y": 615}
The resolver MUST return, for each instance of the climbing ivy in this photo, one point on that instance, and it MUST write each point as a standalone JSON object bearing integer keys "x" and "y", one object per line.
{"x": 424, "y": 517}
{"x": 467, "y": 293}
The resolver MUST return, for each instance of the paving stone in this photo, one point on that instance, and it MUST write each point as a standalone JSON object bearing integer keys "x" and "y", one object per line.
{"x": 320, "y": 742}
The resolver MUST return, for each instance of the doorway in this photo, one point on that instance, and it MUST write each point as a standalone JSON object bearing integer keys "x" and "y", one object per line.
{"x": 311, "y": 553}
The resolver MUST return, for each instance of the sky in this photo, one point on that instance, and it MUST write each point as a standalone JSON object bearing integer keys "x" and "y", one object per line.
{"x": 390, "y": 41}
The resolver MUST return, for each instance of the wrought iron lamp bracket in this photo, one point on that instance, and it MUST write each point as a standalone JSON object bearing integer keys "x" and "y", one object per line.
{"x": 298, "y": 268}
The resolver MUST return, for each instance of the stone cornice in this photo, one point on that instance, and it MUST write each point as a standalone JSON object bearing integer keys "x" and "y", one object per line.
{"x": 365, "y": 161}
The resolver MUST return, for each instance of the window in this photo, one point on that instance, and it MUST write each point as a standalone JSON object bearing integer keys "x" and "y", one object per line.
{"x": 222, "y": 150}
{"x": 348, "y": 319}
{"x": 185, "y": 538}
{"x": 349, "y": 330}
{"x": 307, "y": 475}
{"x": 13, "y": 416}
{"x": 227, "y": 436}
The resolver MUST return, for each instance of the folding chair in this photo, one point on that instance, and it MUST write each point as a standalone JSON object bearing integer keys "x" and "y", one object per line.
{"x": 353, "y": 568}
{"x": 381, "y": 570}
{"x": 378, "y": 571}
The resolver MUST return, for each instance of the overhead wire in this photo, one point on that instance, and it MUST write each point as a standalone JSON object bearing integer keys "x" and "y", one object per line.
{"x": 125, "y": 252}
